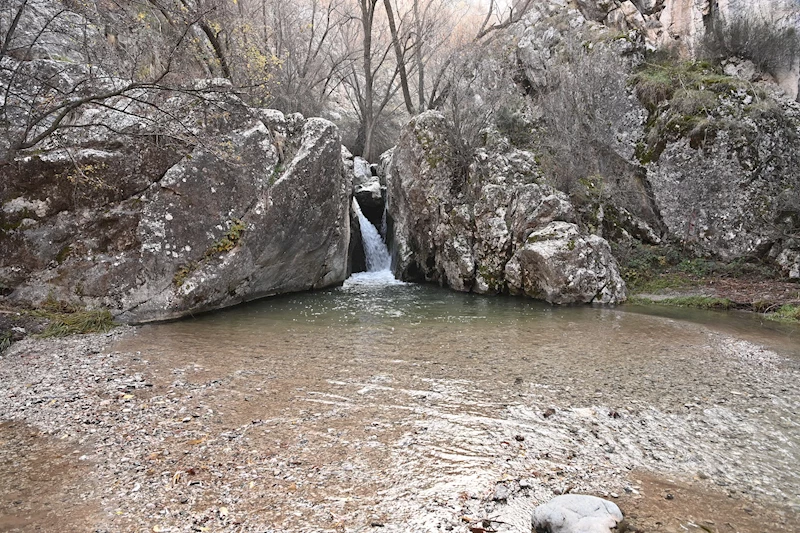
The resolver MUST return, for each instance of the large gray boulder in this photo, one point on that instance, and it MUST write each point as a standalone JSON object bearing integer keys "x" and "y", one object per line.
{"x": 155, "y": 227}
{"x": 576, "y": 513}
{"x": 474, "y": 228}
{"x": 562, "y": 265}
{"x": 731, "y": 188}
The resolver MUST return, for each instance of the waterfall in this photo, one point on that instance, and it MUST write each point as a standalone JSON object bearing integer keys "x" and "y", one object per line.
{"x": 379, "y": 262}
{"x": 377, "y": 255}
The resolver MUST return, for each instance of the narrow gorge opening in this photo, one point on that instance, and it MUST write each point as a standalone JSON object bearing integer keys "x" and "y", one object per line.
{"x": 377, "y": 259}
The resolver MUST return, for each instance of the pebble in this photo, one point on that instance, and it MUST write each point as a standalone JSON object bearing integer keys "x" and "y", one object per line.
{"x": 145, "y": 442}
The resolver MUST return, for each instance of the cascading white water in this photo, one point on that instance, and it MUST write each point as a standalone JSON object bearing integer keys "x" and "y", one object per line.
{"x": 377, "y": 256}
{"x": 374, "y": 249}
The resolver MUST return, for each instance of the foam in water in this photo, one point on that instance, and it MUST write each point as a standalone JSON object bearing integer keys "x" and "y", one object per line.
{"x": 377, "y": 255}
{"x": 372, "y": 279}
{"x": 378, "y": 272}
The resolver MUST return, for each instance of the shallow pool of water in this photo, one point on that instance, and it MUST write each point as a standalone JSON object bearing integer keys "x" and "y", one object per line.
{"x": 416, "y": 393}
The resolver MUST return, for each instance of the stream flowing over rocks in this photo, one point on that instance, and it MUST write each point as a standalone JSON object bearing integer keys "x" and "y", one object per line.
{"x": 399, "y": 407}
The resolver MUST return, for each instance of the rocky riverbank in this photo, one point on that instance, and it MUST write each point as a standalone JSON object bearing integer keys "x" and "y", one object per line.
{"x": 666, "y": 275}
{"x": 108, "y": 433}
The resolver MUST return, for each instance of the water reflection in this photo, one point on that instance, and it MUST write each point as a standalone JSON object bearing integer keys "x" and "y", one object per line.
{"x": 411, "y": 357}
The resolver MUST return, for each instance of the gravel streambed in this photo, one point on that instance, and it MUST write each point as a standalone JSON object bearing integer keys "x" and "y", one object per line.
{"x": 295, "y": 437}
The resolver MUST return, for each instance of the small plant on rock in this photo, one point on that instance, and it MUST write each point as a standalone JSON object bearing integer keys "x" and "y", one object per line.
{"x": 5, "y": 340}
{"x": 183, "y": 272}
{"x": 229, "y": 241}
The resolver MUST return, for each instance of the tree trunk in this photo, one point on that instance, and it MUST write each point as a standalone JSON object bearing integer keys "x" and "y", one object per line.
{"x": 418, "y": 57}
{"x": 398, "y": 52}
{"x": 367, "y": 118}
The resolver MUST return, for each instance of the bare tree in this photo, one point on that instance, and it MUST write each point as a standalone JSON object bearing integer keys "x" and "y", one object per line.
{"x": 41, "y": 94}
{"x": 370, "y": 83}
{"x": 294, "y": 56}
{"x": 56, "y": 60}
{"x": 308, "y": 41}
{"x": 398, "y": 43}
{"x": 494, "y": 20}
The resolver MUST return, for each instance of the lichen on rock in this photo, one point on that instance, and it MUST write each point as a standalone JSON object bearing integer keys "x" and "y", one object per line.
{"x": 474, "y": 229}
{"x": 179, "y": 229}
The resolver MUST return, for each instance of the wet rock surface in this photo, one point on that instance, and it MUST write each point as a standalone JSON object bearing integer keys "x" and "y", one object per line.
{"x": 295, "y": 431}
{"x": 367, "y": 190}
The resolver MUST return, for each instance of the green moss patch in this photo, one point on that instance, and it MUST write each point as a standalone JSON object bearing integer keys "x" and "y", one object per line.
{"x": 691, "y": 81}
{"x": 697, "y": 302}
{"x": 786, "y": 313}
{"x": 229, "y": 241}
{"x": 685, "y": 100}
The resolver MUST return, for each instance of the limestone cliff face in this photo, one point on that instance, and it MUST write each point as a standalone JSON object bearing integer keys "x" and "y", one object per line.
{"x": 705, "y": 156}
{"x": 682, "y": 24}
{"x": 156, "y": 229}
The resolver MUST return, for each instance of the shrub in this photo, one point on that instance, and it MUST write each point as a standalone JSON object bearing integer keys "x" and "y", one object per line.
{"x": 583, "y": 112}
{"x": 771, "y": 44}
{"x": 480, "y": 92}
{"x": 511, "y": 121}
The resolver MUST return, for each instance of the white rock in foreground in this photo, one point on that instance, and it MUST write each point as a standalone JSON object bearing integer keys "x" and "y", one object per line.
{"x": 576, "y": 513}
